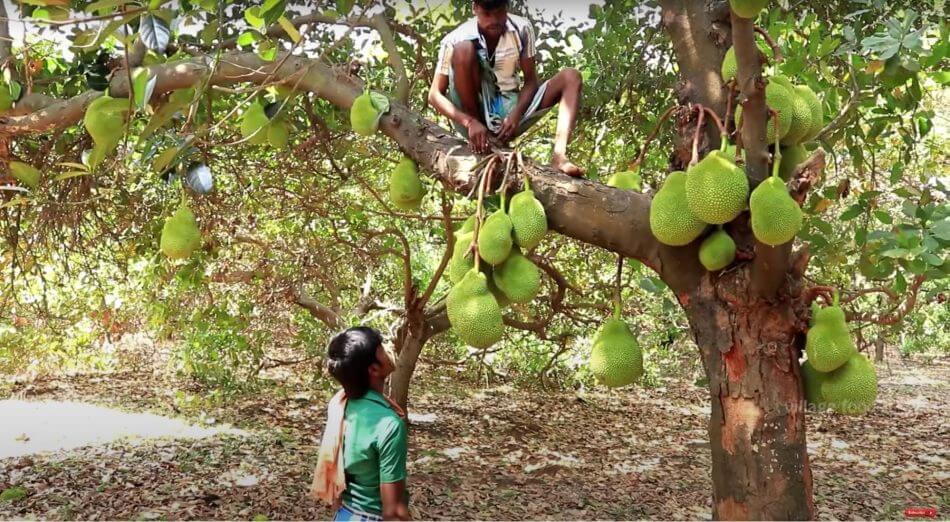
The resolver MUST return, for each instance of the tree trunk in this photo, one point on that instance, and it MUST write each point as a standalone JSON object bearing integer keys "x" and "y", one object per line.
{"x": 750, "y": 350}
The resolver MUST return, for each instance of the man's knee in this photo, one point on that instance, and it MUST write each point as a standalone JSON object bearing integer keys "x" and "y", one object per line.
{"x": 572, "y": 78}
{"x": 464, "y": 55}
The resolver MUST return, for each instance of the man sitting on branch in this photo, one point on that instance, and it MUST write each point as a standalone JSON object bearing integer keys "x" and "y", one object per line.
{"x": 476, "y": 83}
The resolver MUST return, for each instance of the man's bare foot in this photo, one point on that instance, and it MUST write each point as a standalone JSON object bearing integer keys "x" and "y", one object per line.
{"x": 560, "y": 162}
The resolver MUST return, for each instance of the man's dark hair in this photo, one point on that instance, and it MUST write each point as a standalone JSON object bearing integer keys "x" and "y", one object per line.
{"x": 490, "y": 5}
{"x": 349, "y": 356}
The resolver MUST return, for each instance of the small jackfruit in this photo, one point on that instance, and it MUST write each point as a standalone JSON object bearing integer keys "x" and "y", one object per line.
{"x": 812, "y": 380}
{"x": 801, "y": 116}
{"x": 817, "y": 112}
{"x": 747, "y": 8}
{"x": 671, "y": 221}
{"x": 254, "y": 124}
{"x": 364, "y": 117}
{"x": 278, "y": 134}
{"x": 828, "y": 342}
{"x": 494, "y": 238}
{"x": 717, "y": 251}
{"x": 792, "y": 157}
{"x": 25, "y": 173}
{"x": 626, "y": 180}
{"x": 776, "y": 217}
{"x": 716, "y": 189}
{"x": 180, "y": 234}
{"x": 616, "y": 358}
{"x": 529, "y": 222}
{"x": 105, "y": 121}
{"x": 852, "y": 388}
{"x": 463, "y": 257}
{"x": 474, "y": 312}
{"x": 518, "y": 277}
{"x": 405, "y": 187}
{"x": 729, "y": 68}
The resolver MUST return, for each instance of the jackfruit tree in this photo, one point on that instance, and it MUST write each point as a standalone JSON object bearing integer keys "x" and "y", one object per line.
{"x": 337, "y": 191}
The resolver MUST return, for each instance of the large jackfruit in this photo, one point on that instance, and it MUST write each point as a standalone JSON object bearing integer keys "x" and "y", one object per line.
{"x": 717, "y": 251}
{"x": 716, "y": 189}
{"x": 180, "y": 234}
{"x": 626, "y": 180}
{"x": 616, "y": 358}
{"x": 801, "y": 115}
{"x": 779, "y": 99}
{"x": 467, "y": 226}
{"x": 817, "y": 112}
{"x": 254, "y": 124}
{"x": 730, "y": 67}
{"x": 828, "y": 342}
{"x": 748, "y": 8}
{"x": 776, "y": 217}
{"x": 406, "y": 189}
{"x": 474, "y": 312}
{"x": 463, "y": 257}
{"x": 364, "y": 117}
{"x": 278, "y": 134}
{"x": 852, "y": 388}
{"x": 25, "y": 173}
{"x": 494, "y": 238}
{"x": 812, "y": 380}
{"x": 529, "y": 222}
{"x": 518, "y": 277}
{"x": 792, "y": 157}
{"x": 671, "y": 220}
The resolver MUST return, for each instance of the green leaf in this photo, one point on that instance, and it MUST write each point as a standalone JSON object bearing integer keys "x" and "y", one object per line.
{"x": 154, "y": 33}
{"x": 380, "y": 101}
{"x": 852, "y": 212}
{"x": 13, "y": 494}
{"x": 941, "y": 229}
{"x": 289, "y": 28}
{"x": 931, "y": 259}
{"x": 247, "y": 38}
{"x": 895, "y": 253}
{"x": 104, "y": 6}
{"x": 72, "y": 174}
{"x": 143, "y": 85}
{"x": 267, "y": 51}
{"x": 254, "y": 18}
{"x": 883, "y": 217}
{"x": 344, "y": 6}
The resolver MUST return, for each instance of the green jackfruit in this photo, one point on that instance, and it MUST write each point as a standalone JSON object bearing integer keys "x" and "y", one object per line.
{"x": 716, "y": 189}
{"x": 776, "y": 217}
{"x": 779, "y": 99}
{"x": 671, "y": 221}
{"x": 817, "y": 112}
{"x": 717, "y": 251}
{"x": 180, "y": 234}
{"x": 364, "y": 118}
{"x": 254, "y": 124}
{"x": 463, "y": 258}
{"x": 278, "y": 135}
{"x": 474, "y": 312}
{"x": 852, "y": 388}
{"x": 812, "y": 380}
{"x": 494, "y": 238}
{"x": 792, "y": 157}
{"x": 405, "y": 187}
{"x": 616, "y": 358}
{"x": 467, "y": 226}
{"x": 747, "y": 8}
{"x": 518, "y": 277}
{"x": 500, "y": 296}
{"x": 529, "y": 222}
{"x": 25, "y": 173}
{"x": 729, "y": 68}
{"x": 105, "y": 122}
{"x": 801, "y": 116}
{"x": 828, "y": 342}
{"x": 626, "y": 180}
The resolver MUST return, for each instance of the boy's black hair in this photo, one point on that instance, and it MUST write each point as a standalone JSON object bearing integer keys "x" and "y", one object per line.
{"x": 490, "y": 5}
{"x": 349, "y": 356}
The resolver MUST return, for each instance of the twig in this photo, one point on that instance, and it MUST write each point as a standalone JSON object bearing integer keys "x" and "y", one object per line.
{"x": 646, "y": 144}
{"x": 776, "y": 50}
{"x": 699, "y": 125}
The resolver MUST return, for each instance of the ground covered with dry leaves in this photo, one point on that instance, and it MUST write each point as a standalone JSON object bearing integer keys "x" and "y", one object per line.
{"x": 477, "y": 453}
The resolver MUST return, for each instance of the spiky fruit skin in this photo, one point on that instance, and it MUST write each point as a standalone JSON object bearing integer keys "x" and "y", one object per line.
{"x": 463, "y": 258}
{"x": 518, "y": 277}
{"x": 494, "y": 238}
{"x": 626, "y": 180}
{"x": 406, "y": 189}
{"x": 25, "y": 173}
{"x": 779, "y": 99}
{"x": 254, "y": 124}
{"x": 817, "y": 111}
{"x": 812, "y": 380}
{"x": 828, "y": 342}
{"x": 467, "y": 226}
{"x": 776, "y": 217}
{"x": 717, "y": 251}
{"x": 616, "y": 358}
{"x": 801, "y": 118}
{"x": 500, "y": 296}
{"x": 852, "y": 388}
{"x": 791, "y": 157}
{"x": 364, "y": 118}
{"x": 671, "y": 221}
{"x": 748, "y": 8}
{"x": 180, "y": 234}
{"x": 716, "y": 189}
{"x": 473, "y": 312}
{"x": 729, "y": 68}
{"x": 529, "y": 222}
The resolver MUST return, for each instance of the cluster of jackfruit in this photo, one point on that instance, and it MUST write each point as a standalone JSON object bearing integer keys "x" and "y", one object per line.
{"x": 180, "y": 234}
{"x": 616, "y": 358}
{"x": 835, "y": 374}
{"x": 504, "y": 274}
{"x": 258, "y": 129}
{"x": 405, "y": 186}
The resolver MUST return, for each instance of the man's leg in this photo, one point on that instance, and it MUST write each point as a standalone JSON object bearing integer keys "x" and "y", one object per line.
{"x": 468, "y": 78}
{"x": 564, "y": 89}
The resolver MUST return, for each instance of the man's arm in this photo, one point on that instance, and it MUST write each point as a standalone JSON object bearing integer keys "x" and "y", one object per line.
{"x": 510, "y": 124}
{"x": 394, "y": 501}
{"x": 477, "y": 132}
{"x": 392, "y": 447}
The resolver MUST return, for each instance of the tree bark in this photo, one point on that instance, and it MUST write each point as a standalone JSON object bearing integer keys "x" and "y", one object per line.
{"x": 750, "y": 350}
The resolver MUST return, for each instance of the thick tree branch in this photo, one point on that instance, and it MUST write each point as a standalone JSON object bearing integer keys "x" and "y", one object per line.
{"x": 322, "y": 313}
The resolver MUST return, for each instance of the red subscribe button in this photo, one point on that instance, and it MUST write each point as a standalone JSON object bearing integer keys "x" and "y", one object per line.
{"x": 920, "y": 512}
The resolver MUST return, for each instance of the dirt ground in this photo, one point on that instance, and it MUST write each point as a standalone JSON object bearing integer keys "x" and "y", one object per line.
{"x": 476, "y": 453}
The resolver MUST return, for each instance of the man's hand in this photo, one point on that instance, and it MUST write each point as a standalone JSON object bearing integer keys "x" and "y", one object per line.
{"x": 509, "y": 126}
{"x": 477, "y": 136}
